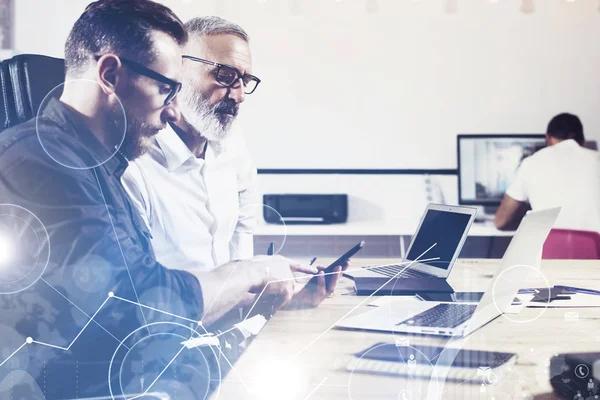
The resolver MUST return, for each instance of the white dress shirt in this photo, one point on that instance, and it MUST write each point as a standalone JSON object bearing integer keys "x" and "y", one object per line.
{"x": 565, "y": 175}
{"x": 200, "y": 212}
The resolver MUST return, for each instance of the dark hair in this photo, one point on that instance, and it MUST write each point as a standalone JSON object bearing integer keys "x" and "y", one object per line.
{"x": 121, "y": 27}
{"x": 566, "y": 126}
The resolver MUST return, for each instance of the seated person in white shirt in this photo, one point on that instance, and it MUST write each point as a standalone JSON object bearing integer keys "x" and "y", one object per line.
{"x": 196, "y": 186}
{"x": 563, "y": 174}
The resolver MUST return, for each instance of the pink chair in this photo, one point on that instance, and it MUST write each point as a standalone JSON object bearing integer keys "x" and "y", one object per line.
{"x": 572, "y": 244}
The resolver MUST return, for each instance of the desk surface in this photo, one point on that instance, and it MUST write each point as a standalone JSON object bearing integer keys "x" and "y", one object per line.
{"x": 365, "y": 228}
{"x": 298, "y": 356}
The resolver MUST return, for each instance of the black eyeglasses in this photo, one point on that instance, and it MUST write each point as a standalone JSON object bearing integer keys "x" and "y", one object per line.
{"x": 227, "y": 75}
{"x": 174, "y": 86}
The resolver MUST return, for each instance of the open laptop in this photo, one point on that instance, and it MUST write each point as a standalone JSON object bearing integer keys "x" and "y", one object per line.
{"x": 443, "y": 227}
{"x": 460, "y": 319}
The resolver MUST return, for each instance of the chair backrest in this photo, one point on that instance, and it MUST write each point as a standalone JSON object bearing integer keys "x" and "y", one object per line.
{"x": 591, "y": 144}
{"x": 572, "y": 244}
{"x": 25, "y": 80}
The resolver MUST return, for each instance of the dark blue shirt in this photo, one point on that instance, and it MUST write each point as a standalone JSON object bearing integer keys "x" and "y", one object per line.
{"x": 96, "y": 243}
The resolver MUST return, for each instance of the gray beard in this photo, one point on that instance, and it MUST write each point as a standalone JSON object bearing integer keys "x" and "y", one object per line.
{"x": 203, "y": 118}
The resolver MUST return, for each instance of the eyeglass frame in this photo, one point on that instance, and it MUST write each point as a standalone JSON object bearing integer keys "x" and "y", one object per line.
{"x": 147, "y": 72}
{"x": 219, "y": 66}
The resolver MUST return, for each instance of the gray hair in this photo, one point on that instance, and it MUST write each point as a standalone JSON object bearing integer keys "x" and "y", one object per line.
{"x": 203, "y": 26}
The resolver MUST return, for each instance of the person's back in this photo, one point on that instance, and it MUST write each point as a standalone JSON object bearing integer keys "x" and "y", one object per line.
{"x": 564, "y": 174}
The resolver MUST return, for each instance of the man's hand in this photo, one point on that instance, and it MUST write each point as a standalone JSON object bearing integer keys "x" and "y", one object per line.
{"x": 316, "y": 288}
{"x": 238, "y": 284}
{"x": 281, "y": 277}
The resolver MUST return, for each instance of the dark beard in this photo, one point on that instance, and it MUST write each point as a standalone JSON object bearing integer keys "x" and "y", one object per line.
{"x": 138, "y": 138}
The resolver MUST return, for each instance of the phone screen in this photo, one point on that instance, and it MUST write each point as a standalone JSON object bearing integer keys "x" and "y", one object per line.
{"x": 342, "y": 260}
{"x": 346, "y": 256}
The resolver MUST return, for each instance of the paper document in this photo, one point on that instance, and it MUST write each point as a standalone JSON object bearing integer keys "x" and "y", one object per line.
{"x": 577, "y": 300}
{"x": 252, "y": 325}
{"x": 201, "y": 342}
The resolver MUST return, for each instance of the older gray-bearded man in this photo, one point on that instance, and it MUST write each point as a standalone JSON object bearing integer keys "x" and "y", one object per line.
{"x": 196, "y": 186}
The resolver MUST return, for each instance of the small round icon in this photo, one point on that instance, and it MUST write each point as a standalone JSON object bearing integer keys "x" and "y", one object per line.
{"x": 405, "y": 395}
{"x": 582, "y": 371}
{"x": 490, "y": 379}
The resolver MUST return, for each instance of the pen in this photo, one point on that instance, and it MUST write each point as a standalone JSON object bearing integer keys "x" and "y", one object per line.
{"x": 271, "y": 300}
{"x": 313, "y": 261}
{"x": 579, "y": 290}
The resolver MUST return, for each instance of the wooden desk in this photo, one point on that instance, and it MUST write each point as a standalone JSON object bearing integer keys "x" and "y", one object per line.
{"x": 298, "y": 356}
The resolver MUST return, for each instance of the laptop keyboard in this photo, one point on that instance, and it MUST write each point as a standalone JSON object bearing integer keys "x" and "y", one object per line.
{"x": 442, "y": 316}
{"x": 394, "y": 269}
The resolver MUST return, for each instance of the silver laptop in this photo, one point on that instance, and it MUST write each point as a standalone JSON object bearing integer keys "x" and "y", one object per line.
{"x": 444, "y": 227}
{"x": 460, "y": 319}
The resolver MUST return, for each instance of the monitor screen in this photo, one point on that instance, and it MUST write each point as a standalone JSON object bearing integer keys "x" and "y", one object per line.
{"x": 487, "y": 164}
{"x": 445, "y": 229}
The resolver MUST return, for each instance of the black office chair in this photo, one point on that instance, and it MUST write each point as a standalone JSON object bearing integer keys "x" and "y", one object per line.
{"x": 25, "y": 80}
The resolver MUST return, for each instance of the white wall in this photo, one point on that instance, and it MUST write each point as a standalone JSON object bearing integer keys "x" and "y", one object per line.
{"x": 380, "y": 200}
{"x": 343, "y": 88}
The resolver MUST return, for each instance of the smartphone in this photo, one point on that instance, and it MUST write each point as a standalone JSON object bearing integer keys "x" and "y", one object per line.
{"x": 427, "y": 354}
{"x": 342, "y": 260}
{"x": 475, "y": 366}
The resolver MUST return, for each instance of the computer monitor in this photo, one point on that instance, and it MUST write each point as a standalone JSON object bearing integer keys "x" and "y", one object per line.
{"x": 487, "y": 164}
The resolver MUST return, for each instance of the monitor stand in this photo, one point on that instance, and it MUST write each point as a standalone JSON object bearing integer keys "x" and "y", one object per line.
{"x": 485, "y": 214}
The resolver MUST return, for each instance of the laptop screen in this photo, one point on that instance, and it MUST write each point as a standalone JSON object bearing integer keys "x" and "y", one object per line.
{"x": 445, "y": 228}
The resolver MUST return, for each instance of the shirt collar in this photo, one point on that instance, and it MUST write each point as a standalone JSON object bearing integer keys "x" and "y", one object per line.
{"x": 174, "y": 150}
{"x": 567, "y": 142}
{"x": 73, "y": 125}
{"x": 214, "y": 149}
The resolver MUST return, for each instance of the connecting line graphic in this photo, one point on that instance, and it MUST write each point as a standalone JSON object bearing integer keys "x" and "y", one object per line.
{"x": 159, "y": 375}
{"x": 158, "y": 395}
{"x": 120, "y": 248}
{"x": 405, "y": 262}
{"x": 349, "y": 270}
{"x": 147, "y": 392}
{"x": 454, "y": 386}
{"x": 74, "y": 305}
{"x": 14, "y": 352}
{"x": 315, "y": 389}
{"x": 155, "y": 309}
{"x": 30, "y": 340}
{"x": 221, "y": 288}
{"x": 364, "y": 301}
